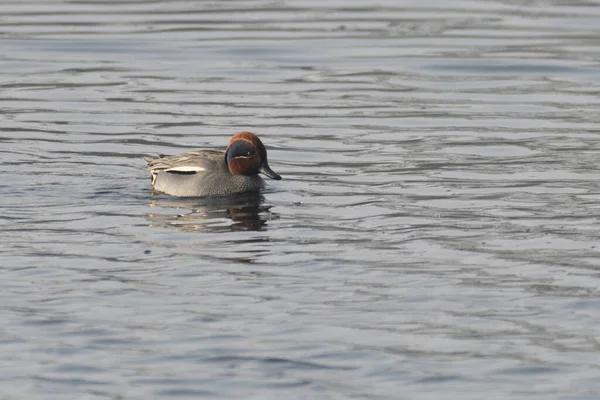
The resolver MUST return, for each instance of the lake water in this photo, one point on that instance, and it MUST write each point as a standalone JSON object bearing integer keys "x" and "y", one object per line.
{"x": 436, "y": 233}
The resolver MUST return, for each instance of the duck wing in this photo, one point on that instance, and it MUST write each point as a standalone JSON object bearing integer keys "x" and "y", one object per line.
{"x": 186, "y": 163}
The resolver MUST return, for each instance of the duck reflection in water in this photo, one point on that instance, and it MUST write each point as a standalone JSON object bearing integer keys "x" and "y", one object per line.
{"x": 245, "y": 212}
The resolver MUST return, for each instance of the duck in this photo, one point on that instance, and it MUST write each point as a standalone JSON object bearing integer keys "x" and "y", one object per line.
{"x": 213, "y": 172}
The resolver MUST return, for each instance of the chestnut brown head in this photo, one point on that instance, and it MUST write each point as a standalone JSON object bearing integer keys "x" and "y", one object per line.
{"x": 246, "y": 155}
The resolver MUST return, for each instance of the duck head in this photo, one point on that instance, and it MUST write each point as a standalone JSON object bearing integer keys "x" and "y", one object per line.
{"x": 246, "y": 155}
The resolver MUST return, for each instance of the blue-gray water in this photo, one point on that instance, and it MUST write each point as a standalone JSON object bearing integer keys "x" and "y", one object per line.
{"x": 436, "y": 234}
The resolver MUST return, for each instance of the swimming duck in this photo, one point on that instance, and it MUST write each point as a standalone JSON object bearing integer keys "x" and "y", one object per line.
{"x": 212, "y": 172}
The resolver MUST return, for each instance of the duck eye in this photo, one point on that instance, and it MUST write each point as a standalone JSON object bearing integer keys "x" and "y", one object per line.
{"x": 240, "y": 148}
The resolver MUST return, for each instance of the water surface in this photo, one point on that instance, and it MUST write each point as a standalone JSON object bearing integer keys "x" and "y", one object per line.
{"x": 435, "y": 234}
